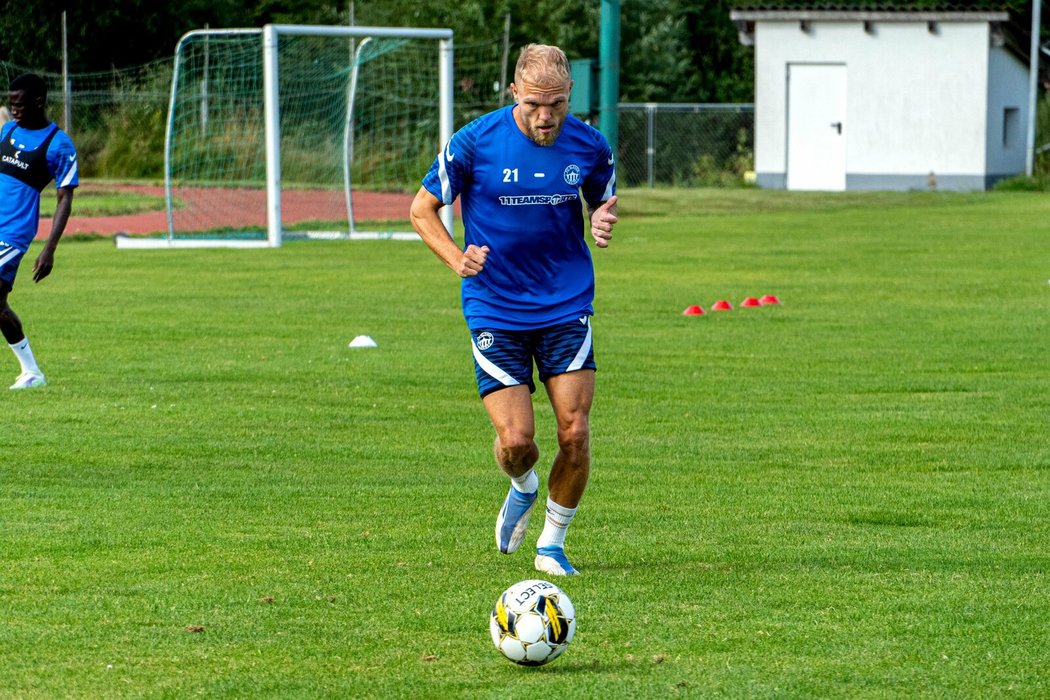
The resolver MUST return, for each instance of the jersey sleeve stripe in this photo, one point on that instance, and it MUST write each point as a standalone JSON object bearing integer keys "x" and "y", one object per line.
{"x": 610, "y": 189}
{"x": 71, "y": 175}
{"x": 446, "y": 186}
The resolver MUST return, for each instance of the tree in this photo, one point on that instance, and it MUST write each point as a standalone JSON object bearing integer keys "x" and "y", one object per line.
{"x": 658, "y": 65}
{"x": 671, "y": 50}
{"x": 102, "y": 36}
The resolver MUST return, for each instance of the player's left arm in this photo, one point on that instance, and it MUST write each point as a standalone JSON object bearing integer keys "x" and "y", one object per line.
{"x": 599, "y": 191}
{"x": 45, "y": 262}
{"x": 62, "y": 160}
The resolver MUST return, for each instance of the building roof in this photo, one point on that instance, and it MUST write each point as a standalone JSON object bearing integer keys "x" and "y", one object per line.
{"x": 870, "y": 13}
{"x": 1007, "y": 29}
{"x": 879, "y": 5}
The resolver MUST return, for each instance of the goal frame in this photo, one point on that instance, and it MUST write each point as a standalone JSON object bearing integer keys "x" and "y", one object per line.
{"x": 270, "y": 38}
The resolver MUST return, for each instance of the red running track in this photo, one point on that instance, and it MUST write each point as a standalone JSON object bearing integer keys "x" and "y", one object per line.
{"x": 233, "y": 208}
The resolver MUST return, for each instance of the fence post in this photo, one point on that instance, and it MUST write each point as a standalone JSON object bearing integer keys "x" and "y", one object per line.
{"x": 504, "y": 60}
{"x": 1033, "y": 81}
{"x": 67, "y": 87}
{"x": 650, "y": 142}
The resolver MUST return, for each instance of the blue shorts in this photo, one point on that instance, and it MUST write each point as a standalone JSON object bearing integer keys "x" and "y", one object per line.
{"x": 10, "y": 259}
{"x": 505, "y": 358}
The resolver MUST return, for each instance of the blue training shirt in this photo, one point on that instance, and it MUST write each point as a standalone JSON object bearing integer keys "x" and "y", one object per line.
{"x": 522, "y": 200}
{"x": 19, "y": 201}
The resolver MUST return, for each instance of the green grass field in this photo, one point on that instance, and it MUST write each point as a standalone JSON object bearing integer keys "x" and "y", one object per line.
{"x": 99, "y": 198}
{"x": 844, "y": 496}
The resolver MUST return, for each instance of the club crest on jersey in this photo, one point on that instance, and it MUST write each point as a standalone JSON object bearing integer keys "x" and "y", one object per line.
{"x": 485, "y": 340}
{"x": 572, "y": 175}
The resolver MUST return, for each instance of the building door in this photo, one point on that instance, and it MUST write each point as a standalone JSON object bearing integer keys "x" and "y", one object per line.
{"x": 816, "y": 127}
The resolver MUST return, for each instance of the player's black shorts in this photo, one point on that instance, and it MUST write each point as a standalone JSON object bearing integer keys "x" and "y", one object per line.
{"x": 505, "y": 358}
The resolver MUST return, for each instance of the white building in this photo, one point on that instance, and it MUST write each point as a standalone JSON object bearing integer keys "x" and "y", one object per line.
{"x": 890, "y": 100}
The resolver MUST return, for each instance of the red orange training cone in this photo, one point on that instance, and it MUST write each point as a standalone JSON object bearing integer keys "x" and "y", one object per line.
{"x": 721, "y": 305}
{"x": 693, "y": 310}
{"x": 750, "y": 302}
{"x": 768, "y": 299}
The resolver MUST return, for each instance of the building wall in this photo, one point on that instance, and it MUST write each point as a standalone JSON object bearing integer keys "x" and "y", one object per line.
{"x": 1007, "y": 91}
{"x": 916, "y": 100}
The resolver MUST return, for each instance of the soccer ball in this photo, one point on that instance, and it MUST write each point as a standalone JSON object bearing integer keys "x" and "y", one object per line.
{"x": 533, "y": 622}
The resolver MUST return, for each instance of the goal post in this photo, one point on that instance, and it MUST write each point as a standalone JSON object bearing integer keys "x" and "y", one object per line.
{"x": 274, "y": 133}
{"x": 271, "y": 54}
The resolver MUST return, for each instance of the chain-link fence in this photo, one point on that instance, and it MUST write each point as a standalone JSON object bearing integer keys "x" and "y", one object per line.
{"x": 117, "y": 119}
{"x": 690, "y": 145}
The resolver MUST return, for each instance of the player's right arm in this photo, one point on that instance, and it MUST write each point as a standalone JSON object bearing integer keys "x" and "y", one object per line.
{"x": 427, "y": 223}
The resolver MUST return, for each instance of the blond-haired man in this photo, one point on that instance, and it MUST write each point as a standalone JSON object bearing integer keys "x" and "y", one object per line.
{"x": 528, "y": 280}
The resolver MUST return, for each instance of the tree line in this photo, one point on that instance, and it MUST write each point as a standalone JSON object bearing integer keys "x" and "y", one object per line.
{"x": 671, "y": 50}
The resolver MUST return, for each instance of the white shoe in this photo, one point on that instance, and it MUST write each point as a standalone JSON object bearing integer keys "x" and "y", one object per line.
{"x": 29, "y": 380}
{"x": 552, "y": 560}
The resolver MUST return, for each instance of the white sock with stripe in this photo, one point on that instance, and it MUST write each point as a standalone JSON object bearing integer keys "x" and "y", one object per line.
{"x": 25, "y": 356}
{"x": 527, "y": 482}
{"x": 557, "y": 524}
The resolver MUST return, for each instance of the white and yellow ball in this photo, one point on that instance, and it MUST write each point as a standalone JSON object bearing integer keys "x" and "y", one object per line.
{"x": 533, "y": 622}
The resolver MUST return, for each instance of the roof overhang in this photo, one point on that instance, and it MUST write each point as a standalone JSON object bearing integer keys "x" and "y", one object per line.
{"x": 745, "y": 20}
{"x": 864, "y": 16}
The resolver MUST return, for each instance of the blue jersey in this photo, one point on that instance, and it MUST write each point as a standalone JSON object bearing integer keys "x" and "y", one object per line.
{"x": 20, "y": 194}
{"x": 522, "y": 200}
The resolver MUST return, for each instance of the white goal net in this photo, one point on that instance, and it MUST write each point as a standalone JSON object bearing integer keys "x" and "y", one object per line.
{"x": 301, "y": 131}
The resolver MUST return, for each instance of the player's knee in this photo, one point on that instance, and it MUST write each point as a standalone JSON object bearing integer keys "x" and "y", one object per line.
{"x": 515, "y": 442}
{"x": 575, "y": 438}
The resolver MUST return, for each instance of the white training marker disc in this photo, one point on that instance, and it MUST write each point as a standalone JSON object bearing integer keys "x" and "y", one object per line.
{"x": 363, "y": 341}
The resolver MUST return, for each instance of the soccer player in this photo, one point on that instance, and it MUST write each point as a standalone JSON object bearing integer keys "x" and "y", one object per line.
{"x": 33, "y": 152}
{"x": 528, "y": 280}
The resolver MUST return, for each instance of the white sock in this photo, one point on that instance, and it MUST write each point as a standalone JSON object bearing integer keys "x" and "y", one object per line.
{"x": 527, "y": 482}
{"x": 557, "y": 524}
{"x": 25, "y": 356}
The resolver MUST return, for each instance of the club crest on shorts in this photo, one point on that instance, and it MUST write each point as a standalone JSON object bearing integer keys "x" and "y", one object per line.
{"x": 572, "y": 175}
{"x": 484, "y": 341}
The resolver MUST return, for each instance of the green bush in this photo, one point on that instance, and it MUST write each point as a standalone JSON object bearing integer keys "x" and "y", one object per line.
{"x": 1024, "y": 183}
{"x": 119, "y": 120}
